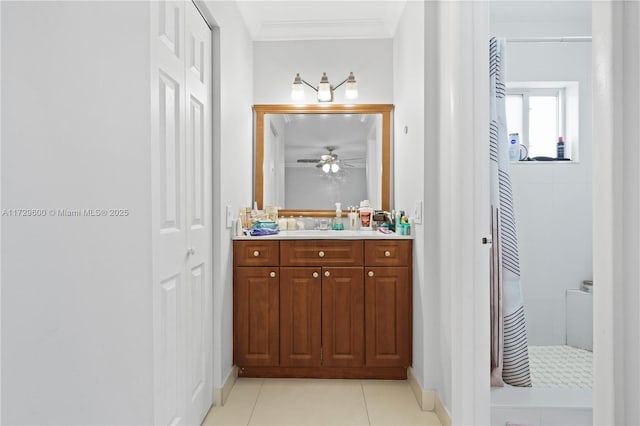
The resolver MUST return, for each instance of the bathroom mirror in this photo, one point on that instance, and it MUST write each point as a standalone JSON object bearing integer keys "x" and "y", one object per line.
{"x": 307, "y": 157}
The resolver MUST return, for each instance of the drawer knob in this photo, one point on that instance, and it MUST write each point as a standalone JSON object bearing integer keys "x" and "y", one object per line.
{"x": 370, "y": 273}
{"x": 327, "y": 274}
{"x": 321, "y": 253}
{"x": 256, "y": 253}
{"x": 272, "y": 274}
{"x": 315, "y": 275}
{"x": 387, "y": 253}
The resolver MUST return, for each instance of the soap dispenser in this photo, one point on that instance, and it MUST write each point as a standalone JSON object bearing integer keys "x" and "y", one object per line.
{"x": 337, "y": 223}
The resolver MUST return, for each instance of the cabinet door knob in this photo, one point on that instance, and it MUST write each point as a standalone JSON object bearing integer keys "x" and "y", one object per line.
{"x": 387, "y": 253}
{"x": 256, "y": 253}
{"x": 321, "y": 253}
{"x": 370, "y": 273}
{"x": 315, "y": 275}
{"x": 191, "y": 251}
{"x": 327, "y": 274}
{"x": 272, "y": 274}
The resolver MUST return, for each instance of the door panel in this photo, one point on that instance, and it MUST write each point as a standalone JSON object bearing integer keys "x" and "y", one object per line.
{"x": 256, "y": 320}
{"x": 343, "y": 317}
{"x": 300, "y": 292}
{"x": 169, "y": 209}
{"x": 181, "y": 221}
{"x": 387, "y": 317}
{"x": 198, "y": 195}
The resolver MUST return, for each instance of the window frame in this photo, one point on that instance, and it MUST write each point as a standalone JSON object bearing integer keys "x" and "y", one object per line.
{"x": 526, "y": 91}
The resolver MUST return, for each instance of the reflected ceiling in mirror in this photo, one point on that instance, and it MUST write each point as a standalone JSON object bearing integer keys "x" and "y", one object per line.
{"x": 309, "y": 157}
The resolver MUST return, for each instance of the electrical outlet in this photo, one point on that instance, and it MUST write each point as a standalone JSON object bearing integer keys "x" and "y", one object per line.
{"x": 229, "y": 217}
{"x": 417, "y": 212}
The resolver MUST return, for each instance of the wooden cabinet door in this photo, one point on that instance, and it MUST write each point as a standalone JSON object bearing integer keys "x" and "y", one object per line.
{"x": 342, "y": 316}
{"x": 300, "y": 294}
{"x": 387, "y": 317}
{"x": 256, "y": 316}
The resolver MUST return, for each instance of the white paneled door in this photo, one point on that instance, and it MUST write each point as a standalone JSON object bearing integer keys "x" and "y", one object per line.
{"x": 182, "y": 239}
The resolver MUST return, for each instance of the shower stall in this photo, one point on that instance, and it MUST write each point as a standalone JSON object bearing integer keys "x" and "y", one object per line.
{"x": 553, "y": 214}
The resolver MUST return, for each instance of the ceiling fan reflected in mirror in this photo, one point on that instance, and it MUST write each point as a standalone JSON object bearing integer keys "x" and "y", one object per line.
{"x": 328, "y": 162}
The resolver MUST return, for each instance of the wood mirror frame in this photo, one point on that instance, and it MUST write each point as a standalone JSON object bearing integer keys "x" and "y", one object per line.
{"x": 261, "y": 110}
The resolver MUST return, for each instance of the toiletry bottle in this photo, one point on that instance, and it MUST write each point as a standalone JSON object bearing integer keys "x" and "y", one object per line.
{"x": 398, "y": 220}
{"x": 353, "y": 218}
{"x": 514, "y": 146}
{"x": 366, "y": 213}
{"x": 337, "y": 222}
{"x": 560, "y": 148}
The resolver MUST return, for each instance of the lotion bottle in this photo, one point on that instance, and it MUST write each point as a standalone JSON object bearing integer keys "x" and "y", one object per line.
{"x": 337, "y": 223}
{"x": 366, "y": 212}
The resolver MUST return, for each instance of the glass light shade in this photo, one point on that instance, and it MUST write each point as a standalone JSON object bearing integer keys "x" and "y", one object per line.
{"x": 326, "y": 167}
{"x": 351, "y": 87}
{"x": 335, "y": 168}
{"x": 297, "y": 91}
{"x": 324, "y": 89}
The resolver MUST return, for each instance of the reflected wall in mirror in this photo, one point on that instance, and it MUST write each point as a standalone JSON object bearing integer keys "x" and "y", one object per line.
{"x": 308, "y": 157}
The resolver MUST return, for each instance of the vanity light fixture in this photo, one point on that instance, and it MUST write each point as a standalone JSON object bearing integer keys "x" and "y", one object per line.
{"x": 325, "y": 89}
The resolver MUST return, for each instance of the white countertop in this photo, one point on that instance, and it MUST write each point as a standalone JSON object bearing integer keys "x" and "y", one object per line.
{"x": 328, "y": 235}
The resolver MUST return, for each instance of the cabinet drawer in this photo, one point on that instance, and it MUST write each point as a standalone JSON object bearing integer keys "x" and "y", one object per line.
{"x": 255, "y": 253}
{"x": 321, "y": 253}
{"x": 387, "y": 253}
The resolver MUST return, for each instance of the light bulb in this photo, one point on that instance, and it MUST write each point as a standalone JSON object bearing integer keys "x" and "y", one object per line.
{"x": 297, "y": 91}
{"x": 324, "y": 89}
{"x": 335, "y": 168}
{"x": 351, "y": 87}
{"x": 326, "y": 167}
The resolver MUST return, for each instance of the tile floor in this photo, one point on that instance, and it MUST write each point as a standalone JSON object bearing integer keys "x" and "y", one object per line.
{"x": 320, "y": 402}
{"x": 560, "y": 367}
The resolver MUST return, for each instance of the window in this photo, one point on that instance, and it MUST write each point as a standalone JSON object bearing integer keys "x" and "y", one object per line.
{"x": 538, "y": 115}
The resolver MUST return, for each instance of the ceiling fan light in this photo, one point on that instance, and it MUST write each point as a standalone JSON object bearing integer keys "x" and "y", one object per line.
{"x": 326, "y": 167}
{"x": 351, "y": 87}
{"x": 335, "y": 168}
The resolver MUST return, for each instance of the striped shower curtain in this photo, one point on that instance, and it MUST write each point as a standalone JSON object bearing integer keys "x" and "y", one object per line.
{"x": 509, "y": 354}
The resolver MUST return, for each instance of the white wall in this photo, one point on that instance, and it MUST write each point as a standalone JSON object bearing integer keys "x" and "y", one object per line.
{"x": 277, "y": 62}
{"x": 233, "y": 165}
{"x": 411, "y": 180}
{"x": 552, "y": 201}
{"x": 616, "y": 57}
{"x": 76, "y": 303}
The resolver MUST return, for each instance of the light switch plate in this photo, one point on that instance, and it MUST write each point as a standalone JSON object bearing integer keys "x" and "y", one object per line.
{"x": 417, "y": 212}
{"x": 229, "y": 217}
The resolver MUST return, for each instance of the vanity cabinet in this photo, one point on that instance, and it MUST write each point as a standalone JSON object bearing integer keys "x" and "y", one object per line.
{"x": 321, "y": 317}
{"x": 343, "y": 308}
{"x": 256, "y": 303}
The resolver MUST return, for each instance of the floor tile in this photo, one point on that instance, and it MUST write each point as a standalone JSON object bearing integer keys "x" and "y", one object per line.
{"x": 560, "y": 367}
{"x": 239, "y": 405}
{"x": 391, "y": 402}
{"x": 310, "y": 402}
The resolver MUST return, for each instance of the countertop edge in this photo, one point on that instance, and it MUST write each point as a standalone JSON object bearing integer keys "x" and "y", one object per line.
{"x": 325, "y": 235}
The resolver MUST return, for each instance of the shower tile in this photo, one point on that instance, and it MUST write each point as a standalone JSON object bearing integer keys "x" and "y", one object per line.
{"x": 560, "y": 366}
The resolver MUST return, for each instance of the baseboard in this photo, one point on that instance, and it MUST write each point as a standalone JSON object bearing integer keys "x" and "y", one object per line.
{"x": 442, "y": 413}
{"x": 220, "y": 395}
{"x": 428, "y": 400}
